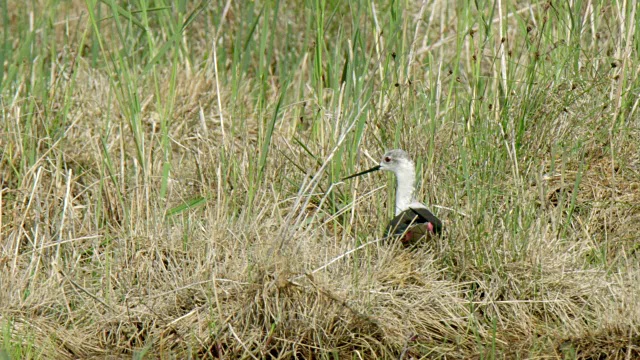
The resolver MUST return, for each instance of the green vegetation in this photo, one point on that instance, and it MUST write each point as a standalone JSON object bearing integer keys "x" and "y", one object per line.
{"x": 170, "y": 172}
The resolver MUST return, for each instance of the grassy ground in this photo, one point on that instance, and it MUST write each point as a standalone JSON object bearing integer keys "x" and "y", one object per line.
{"x": 170, "y": 179}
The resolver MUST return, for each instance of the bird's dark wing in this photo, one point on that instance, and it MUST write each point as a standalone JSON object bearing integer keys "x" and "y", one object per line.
{"x": 425, "y": 216}
{"x": 414, "y": 220}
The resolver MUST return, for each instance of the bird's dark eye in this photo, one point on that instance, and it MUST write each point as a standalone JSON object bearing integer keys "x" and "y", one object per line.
{"x": 387, "y": 159}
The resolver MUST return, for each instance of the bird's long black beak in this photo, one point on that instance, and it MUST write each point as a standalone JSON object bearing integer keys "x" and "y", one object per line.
{"x": 375, "y": 168}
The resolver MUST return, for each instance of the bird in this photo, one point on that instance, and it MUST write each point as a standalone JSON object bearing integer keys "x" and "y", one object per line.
{"x": 412, "y": 220}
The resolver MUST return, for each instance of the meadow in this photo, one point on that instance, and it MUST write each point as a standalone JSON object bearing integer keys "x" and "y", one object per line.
{"x": 171, "y": 171}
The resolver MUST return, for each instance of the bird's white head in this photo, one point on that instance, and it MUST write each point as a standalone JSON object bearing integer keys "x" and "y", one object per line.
{"x": 398, "y": 162}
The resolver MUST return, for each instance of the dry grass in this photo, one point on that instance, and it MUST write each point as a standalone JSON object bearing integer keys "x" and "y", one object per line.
{"x": 539, "y": 188}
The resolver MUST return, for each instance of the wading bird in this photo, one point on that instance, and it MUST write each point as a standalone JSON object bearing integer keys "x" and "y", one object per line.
{"x": 413, "y": 220}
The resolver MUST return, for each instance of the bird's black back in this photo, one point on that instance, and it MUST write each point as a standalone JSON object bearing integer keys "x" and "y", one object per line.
{"x": 413, "y": 217}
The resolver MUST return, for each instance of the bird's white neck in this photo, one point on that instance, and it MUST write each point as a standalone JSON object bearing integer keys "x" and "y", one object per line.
{"x": 405, "y": 189}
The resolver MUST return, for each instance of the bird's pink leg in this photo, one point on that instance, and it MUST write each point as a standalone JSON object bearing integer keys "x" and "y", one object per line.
{"x": 430, "y": 227}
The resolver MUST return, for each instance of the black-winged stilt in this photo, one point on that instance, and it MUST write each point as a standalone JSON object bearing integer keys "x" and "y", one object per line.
{"x": 413, "y": 220}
